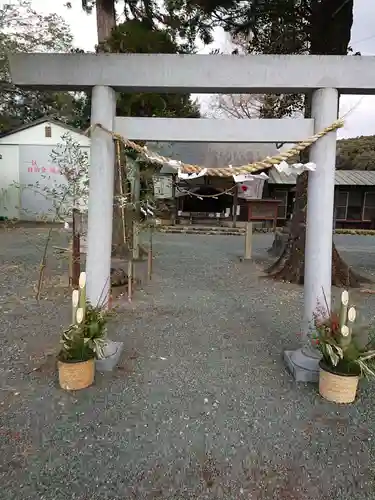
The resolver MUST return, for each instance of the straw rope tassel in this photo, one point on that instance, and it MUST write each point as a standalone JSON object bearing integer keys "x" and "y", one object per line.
{"x": 252, "y": 168}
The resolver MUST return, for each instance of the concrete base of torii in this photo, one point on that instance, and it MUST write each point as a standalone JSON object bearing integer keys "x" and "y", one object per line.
{"x": 303, "y": 363}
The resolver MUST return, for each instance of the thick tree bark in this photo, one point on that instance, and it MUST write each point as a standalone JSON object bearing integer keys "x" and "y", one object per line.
{"x": 290, "y": 265}
{"x": 330, "y": 27}
{"x": 106, "y": 21}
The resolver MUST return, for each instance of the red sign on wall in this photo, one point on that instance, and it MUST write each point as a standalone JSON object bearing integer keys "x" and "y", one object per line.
{"x": 36, "y": 170}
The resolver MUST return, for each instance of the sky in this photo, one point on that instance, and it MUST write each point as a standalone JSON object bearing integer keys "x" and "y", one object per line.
{"x": 359, "y": 111}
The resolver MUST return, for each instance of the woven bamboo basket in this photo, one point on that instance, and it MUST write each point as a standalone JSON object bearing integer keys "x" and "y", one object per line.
{"x": 75, "y": 376}
{"x": 337, "y": 388}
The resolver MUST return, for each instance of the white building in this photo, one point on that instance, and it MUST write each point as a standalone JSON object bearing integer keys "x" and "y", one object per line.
{"x": 25, "y": 162}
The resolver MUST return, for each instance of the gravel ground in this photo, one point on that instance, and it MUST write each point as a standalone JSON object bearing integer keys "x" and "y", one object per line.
{"x": 201, "y": 406}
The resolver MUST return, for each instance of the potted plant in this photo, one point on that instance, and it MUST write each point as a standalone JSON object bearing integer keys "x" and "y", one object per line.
{"x": 82, "y": 342}
{"x": 346, "y": 356}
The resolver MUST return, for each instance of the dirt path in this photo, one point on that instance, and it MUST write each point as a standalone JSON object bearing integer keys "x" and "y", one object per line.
{"x": 200, "y": 407}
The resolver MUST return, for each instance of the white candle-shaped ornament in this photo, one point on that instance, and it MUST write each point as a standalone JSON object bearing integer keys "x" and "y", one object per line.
{"x": 344, "y": 308}
{"x": 82, "y": 291}
{"x": 79, "y": 315}
{"x": 345, "y": 331}
{"x": 82, "y": 279}
{"x": 352, "y": 314}
{"x": 75, "y": 300}
{"x": 345, "y": 336}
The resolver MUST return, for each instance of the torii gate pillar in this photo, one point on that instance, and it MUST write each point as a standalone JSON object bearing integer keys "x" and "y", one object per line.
{"x": 101, "y": 187}
{"x": 303, "y": 363}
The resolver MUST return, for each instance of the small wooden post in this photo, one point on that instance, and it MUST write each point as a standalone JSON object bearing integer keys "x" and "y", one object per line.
{"x": 136, "y": 201}
{"x": 75, "y": 301}
{"x": 149, "y": 255}
{"x": 76, "y": 250}
{"x": 248, "y": 240}
{"x": 70, "y": 261}
{"x": 135, "y": 251}
{"x": 235, "y": 205}
{"x": 275, "y": 219}
{"x": 130, "y": 279}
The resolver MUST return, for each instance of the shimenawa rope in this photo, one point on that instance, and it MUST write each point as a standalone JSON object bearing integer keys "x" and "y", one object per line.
{"x": 228, "y": 171}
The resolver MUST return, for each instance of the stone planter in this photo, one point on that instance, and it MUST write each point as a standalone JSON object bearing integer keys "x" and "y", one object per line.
{"x": 112, "y": 352}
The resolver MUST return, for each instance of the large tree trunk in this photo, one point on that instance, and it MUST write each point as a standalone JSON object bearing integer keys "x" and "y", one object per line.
{"x": 330, "y": 27}
{"x": 290, "y": 265}
{"x": 106, "y": 21}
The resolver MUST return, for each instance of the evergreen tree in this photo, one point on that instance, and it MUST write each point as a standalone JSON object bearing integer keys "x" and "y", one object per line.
{"x": 23, "y": 29}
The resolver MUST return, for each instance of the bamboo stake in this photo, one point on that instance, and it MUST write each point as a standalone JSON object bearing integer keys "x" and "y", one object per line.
{"x": 61, "y": 249}
{"x": 344, "y": 308}
{"x": 130, "y": 280}
{"x": 70, "y": 259}
{"x": 43, "y": 264}
{"x": 234, "y": 206}
{"x": 345, "y": 336}
{"x": 149, "y": 255}
{"x": 80, "y": 315}
{"x": 82, "y": 291}
{"x": 76, "y": 250}
{"x": 75, "y": 302}
{"x": 136, "y": 200}
{"x": 352, "y": 314}
{"x": 248, "y": 240}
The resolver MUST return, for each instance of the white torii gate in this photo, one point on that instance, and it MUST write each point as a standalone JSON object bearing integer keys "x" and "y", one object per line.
{"x": 324, "y": 76}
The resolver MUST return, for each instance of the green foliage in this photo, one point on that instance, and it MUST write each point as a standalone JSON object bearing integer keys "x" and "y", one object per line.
{"x": 260, "y": 27}
{"x": 284, "y": 27}
{"x": 356, "y": 154}
{"x": 73, "y": 189}
{"x": 85, "y": 337}
{"x": 83, "y": 341}
{"x": 273, "y": 27}
{"x": 185, "y": 21}
{"x": 138, "y": 37}
{"x": 23, "y": 29}
{"x": 73, "y": 346}
{"x": 73, "y": 164}
{"x": 342, "y": 341}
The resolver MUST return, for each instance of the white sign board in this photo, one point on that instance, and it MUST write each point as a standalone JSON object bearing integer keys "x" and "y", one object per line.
{"x": 163, "y": 186}
{"x": 251, "y": 190}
